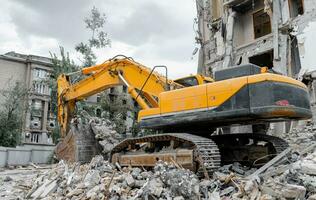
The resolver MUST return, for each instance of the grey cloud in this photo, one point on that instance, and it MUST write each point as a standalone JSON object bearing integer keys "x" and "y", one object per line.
{"x": 62, "y": 20}
{"x": 158, "y": 29}
{"x": 146, "y": 22}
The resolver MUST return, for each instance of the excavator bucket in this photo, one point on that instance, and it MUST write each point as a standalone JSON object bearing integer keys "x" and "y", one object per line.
{"x": 79, "y": 145}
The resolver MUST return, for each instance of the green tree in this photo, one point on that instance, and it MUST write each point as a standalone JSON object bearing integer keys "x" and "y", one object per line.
{"x": 63, "y": 64}
{"x": 117, "y": 107}
{"x": 12, "y": 110}
{"x": 99, "y": 39}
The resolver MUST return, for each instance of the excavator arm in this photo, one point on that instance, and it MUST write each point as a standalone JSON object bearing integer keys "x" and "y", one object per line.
{"x": 143, "y": 85}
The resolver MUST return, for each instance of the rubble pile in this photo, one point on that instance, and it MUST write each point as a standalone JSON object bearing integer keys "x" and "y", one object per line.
{"x": 104, "y": 132}
{"x": 300, "y": 136}
{"x": 290, "y": 175}
{"x": 100, "y": 180}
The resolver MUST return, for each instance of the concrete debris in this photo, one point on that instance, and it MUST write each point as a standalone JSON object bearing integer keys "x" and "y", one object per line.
{"x": 7, "y": 179}
{"x": 91, "y": 180}
{"x": 104, "y": 131}
{"x": 293, "y": 177}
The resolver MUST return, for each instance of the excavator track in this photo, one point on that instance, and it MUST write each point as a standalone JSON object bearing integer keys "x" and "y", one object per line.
{"x": 248, "y": 148}
{"x": 205, "y": 153}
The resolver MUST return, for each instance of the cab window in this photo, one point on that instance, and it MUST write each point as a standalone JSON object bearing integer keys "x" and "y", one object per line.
{"x": 187, "y": 82}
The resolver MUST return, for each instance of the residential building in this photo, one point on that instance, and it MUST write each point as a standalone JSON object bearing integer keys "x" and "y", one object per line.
{"x": 277, "y": 34}
{"x": 33, "y": 71}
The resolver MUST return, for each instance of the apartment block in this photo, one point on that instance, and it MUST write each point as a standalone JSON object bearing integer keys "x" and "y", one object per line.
{"x": 33, "y": 71}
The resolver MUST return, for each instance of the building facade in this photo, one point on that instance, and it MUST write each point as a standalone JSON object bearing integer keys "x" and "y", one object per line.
{"x": 33, "y": 71}
{"x": 278, "y": 34}
{"x": 263, "y": 32}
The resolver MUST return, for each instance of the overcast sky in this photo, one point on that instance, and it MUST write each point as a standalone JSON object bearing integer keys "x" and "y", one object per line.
{"x": 153, "y": 32}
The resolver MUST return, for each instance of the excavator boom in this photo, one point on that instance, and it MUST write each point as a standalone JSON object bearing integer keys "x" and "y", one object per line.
{"x": 143, "y": 84}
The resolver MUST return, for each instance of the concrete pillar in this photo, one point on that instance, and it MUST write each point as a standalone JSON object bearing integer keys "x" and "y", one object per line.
{"x": 282, "y": 65}
{"x": 278, "y": 128}
{"x": 45, "y": 113}
{"x": 28, "y": 115}
{"x": 44, "y": 138}
{"x": 28, "y": 103}
{"x": 285, "y": 11}
{"x": 275, "y": 28}
{"x": 229, "y": 40}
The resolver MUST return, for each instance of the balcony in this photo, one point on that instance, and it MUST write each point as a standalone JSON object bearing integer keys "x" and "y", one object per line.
{"x": 241, "y": 6}
{"x": 37, "y": 112}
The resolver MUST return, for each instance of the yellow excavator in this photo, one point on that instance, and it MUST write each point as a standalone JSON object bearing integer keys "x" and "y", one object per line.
{"x": 186, "y": 111}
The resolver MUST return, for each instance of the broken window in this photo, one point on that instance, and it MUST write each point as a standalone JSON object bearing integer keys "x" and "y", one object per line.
{"x": 98, "y": 112}
{"x": 296, "y": 7}
{"x": 261, "y": 24}
{"x": 112, "y": 98}
{"x": 124, "y": 89}
{"x": 112, "y": 90}
{"x": 263, "y": 60}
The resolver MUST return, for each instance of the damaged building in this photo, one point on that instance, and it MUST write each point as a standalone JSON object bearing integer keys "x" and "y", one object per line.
{"x": 276, "y": 34}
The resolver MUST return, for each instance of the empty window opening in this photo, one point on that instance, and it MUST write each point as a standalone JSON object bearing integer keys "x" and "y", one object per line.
{"x": 112, "y": 90}
{"x": 124, "y": 89}
{"x": 263, "y": 60}
{"x": 261, "y": 24}
{"x": 112, "y": 98}
{"x": 98, "y": 112}
{"x": 296, "y": 7}
{"x": 98, "y": 99}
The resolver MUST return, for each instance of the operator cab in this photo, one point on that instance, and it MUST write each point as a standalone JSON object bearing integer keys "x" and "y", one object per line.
{"x": 194, "y": 80}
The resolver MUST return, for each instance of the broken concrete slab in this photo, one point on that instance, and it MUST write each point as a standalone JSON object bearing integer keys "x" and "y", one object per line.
{"x": 130, "y": 180}
{"x": 306, "y": 167}
{"x": 270, "y": 163}
{"x": 293, "y": 191}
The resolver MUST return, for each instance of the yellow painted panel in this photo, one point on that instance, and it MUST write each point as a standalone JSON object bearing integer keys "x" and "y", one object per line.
{"x": 148, "y": 112}
{"x": 274, "y": 77}
{"x": 219, "y": 92}
{"x": 183, "y": 99}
